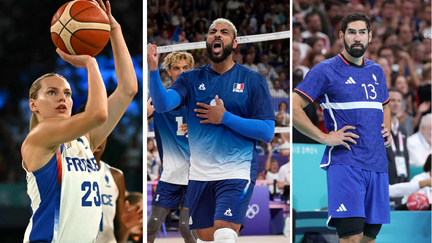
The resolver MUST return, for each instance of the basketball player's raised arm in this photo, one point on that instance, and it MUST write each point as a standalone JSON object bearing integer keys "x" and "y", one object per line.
{"x": 302, "y": 123}
{"x": 163, "y": 100}
{"x": 127, "y": 86}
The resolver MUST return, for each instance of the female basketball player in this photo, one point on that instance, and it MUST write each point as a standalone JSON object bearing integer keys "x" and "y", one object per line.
{"x": 62, "y": 174}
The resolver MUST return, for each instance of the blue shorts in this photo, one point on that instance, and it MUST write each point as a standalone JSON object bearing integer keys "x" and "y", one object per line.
{"x": 170, "y": 196}
{"x": 354, "y": 192}
{"x": 218, "y": 200}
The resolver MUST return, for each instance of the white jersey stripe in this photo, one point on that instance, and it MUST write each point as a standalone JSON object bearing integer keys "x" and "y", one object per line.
{"x": 336, "y": 128}
{"x": 351, "y": 105}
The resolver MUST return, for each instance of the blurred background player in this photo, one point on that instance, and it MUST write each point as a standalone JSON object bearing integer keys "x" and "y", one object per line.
{"x": 174, "y": 152}
{"x": 136, "y": 232}
{"x": 54, "y": 150}
{"x": 226, "y": 102}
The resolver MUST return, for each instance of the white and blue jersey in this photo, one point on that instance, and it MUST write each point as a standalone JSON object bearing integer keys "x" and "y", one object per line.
{"x": 354, "y": 95}
{"x": 173, "y": 146}
{"x": 218, "y": 152}
{"x": 109, "y": 195}
{"x": 65, "y": 197}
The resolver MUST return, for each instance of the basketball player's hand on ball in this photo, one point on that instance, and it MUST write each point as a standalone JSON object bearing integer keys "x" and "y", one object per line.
{"x": 107, "y": 9}
{"x": 152, "y": 57}
{"x": 75, "y": 60}
{"x": 212, "y": 113}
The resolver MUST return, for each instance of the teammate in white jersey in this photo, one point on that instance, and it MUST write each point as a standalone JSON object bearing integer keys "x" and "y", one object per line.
{"x": 62, "y": 175}
{"x": 117, "y": 218}
{"x": 174, "y": 151}
{"x": 229, "y": 110}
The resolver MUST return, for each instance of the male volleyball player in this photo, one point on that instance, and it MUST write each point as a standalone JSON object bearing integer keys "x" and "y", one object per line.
{"x": 353, "y": 95}
{"x": 173, "y": 147}
{"x": 229, "y": 109}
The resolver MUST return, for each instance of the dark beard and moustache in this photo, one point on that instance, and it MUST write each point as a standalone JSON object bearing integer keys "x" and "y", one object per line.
{"x": 355, "y": 52}
{"x": 226, "y": 51}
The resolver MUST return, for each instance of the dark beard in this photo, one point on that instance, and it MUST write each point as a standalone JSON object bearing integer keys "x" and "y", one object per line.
{"x": 355, "y": 52}
{"x": 226, "y": 51}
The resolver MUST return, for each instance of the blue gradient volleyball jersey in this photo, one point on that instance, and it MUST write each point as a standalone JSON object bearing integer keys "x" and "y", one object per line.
{"x": 217, "y": 152}
{"x": 173, "y": 146}
{"x": 350, "y": 95}
{"x": 65, "y": 197}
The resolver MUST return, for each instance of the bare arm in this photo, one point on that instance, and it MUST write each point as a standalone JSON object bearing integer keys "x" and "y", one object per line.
{"x": 302, "y": 123}
{"x": 120, "y": 229}
{"x": 267, "y": 163}
{"x": 42, "y": 141}
{"x": 127, "y": 87}
{"x": 150, "y": 108}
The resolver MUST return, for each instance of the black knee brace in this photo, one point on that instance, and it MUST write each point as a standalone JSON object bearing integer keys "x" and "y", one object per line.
{"x": 371, "y": 230}
{"x": 349, "y": 226}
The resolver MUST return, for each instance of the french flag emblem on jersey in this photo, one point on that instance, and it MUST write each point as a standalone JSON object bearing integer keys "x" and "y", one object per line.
{"x": 238, "y": 88}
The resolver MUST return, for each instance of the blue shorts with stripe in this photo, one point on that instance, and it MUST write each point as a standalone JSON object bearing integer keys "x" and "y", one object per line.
{"x": 170, "y": 196}
{"x": 355, "y": 192}
{"x": 226, "y": 200}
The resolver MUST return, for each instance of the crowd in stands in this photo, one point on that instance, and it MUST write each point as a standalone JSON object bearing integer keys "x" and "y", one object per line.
{"x": 175, "y": 22}
{"x": 401, "y": 44}
{"x": 27, "y": 52}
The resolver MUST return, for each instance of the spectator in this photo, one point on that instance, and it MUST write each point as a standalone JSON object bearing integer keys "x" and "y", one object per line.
{"x": 397, "y": 153}
{"x": 388, "y": 17}
{"x": 405, "y": 115}
{"x": 165, "y": 78}
{"x": 388, "y": 54}
{"x": 296, "y": 59}
{"x": 316, "y": 44}
{"x": 153, "y": 160}
{"x": 267, "y": 26}
{"x": 285, "y": 118}
{"x": 336, "y": 48}
{"x": 271, "y": 171}
{"x": 425, "y": 24}
{"x": 163, "y": 39}
{"x": 249, "y": 62}
{"x": 178, "y": 20}
{"x": 237, "y": 56}
{"x": 284, "y": 179}
{"x": 297, "y": 37}
{"x": 419, "y": 144}
{"x": 269, "y": 71}
{"x": 313, "y": 28}
{"x": 405, "y": 36}
{"x": 276, "y": 91}
{"x": 374, "y": 46}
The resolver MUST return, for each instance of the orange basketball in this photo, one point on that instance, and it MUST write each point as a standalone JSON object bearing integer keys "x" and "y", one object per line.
{"x": 80, "y": 27}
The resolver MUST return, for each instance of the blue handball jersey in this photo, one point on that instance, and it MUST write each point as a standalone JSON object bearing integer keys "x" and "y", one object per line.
{"x": 218, "y": 152}
{"x": 350, "y": 95}
{"x": 173, "y": 146}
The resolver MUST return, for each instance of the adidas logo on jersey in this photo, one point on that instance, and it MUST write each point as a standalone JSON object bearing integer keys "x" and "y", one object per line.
{"x": 350, "y": 81}
{"x": 341, "y": 208}
{"x": 201, "y": 87}
{"x": 228, "y": 212}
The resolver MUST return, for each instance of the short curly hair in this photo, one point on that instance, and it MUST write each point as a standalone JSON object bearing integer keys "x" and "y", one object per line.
{"x": 177, "y": 56}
